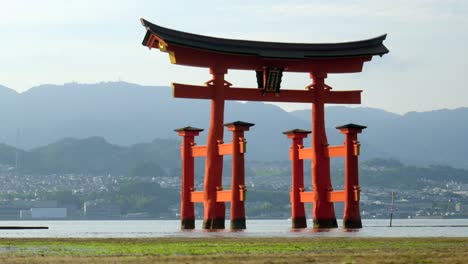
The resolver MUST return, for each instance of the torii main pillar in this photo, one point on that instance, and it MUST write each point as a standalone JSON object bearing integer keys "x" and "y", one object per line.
{"x": 324, "y": 213}
{"x": 214, "y": 212}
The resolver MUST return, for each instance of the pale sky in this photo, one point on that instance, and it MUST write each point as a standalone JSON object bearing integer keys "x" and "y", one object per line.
{"x": 89, "y": 41}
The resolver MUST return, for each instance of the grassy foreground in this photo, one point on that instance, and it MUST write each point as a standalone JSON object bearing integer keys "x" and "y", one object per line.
{"x": 235, "y": 250}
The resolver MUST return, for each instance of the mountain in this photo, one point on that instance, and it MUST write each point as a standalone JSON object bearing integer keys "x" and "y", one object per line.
{"x": 433, "y": 137}
{"x": 410, "y": 177}
{"x": 89, "y": 155}
{"x": 96, "y": 156}
{"x": 7, "y": 92}
{"x": 126, "y": 114}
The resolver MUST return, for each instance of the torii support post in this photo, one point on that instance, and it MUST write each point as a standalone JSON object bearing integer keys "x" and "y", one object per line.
{"x": 298, "y": 215}
{"x": 324, "y": 212}
{"x": 351, "y": 217}
{"x": 187, "y": 210}
{"x": 214, "y": 212}
{"x": 238, "y": 173}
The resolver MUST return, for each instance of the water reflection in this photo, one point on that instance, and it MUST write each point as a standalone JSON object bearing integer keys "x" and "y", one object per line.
{"x": 351, "y": 230}
{"x": 296, "y": 230}
{"x": 322, "y": 230}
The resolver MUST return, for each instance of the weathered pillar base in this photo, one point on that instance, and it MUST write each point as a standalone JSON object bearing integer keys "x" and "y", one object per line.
{"x": 217, "y": 223}
{"x": 238, "y": 223}
{"x": 299, "y": 222}
{"x": 325, "y": 223}
{"x": 187, "y": 224}
{"x": 349, "y": 223}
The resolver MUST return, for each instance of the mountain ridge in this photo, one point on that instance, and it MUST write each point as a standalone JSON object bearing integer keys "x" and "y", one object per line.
{"x": 126, "y": 114}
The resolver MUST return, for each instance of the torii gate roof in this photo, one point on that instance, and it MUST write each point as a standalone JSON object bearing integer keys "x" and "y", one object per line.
{"x": 205, "y": 51}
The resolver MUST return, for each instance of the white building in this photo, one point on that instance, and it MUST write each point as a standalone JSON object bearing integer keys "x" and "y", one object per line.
{"x": 48, "y": 213}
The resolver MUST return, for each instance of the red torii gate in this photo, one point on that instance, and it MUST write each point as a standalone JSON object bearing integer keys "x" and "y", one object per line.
{"x": 269, "y": 60}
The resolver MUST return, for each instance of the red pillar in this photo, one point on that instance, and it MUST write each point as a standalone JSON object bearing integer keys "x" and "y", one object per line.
{"x": 187, "y": 211}
{"x": 214, "y": 212}
{"x": 298, "y": 216}
{"x": 352, "y": 216}
{"x": 238, "y": 173}
{"x": 324, "y": 213}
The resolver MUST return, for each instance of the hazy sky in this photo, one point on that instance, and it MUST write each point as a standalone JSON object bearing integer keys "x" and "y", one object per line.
{"x": 57, "y": 41}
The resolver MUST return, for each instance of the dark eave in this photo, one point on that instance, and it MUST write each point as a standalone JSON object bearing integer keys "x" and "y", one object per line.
{"x": 350, "y": 126}
{"x": 297, "y": 130}
{"x": 188, "y": 128}
{"x": 239, "y": 123}
{"x": 272, "y": 50}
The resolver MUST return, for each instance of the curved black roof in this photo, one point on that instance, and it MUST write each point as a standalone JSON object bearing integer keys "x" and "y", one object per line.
{"x": 369, "y": 47}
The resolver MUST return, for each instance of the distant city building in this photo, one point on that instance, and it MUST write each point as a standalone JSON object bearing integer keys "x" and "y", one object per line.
{"x": 9, "y": 213}
{"x": 44, "y": 213}
{"x": 18, "y": 209}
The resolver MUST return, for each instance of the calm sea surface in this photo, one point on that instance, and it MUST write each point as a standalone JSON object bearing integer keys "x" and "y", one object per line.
{"x": 255, "y": 228}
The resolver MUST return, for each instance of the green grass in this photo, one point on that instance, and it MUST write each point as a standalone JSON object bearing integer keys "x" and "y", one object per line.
{"x": 228, "y": 250}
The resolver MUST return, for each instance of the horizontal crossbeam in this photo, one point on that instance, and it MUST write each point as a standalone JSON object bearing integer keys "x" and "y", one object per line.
{"x": 334, "y": 196}
{"x": 306, "y": 153}
{"x": 196, "y": 197}
{"x": 225, "y": 149}
{"x": 249, "y": 94}
{"x": 335, "y": 151}
{"x": 221, "y": 196}
{"x": 198, "y": 151}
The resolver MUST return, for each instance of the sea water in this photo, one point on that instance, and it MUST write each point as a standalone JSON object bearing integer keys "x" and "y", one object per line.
{"x": 255, "y": 228}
